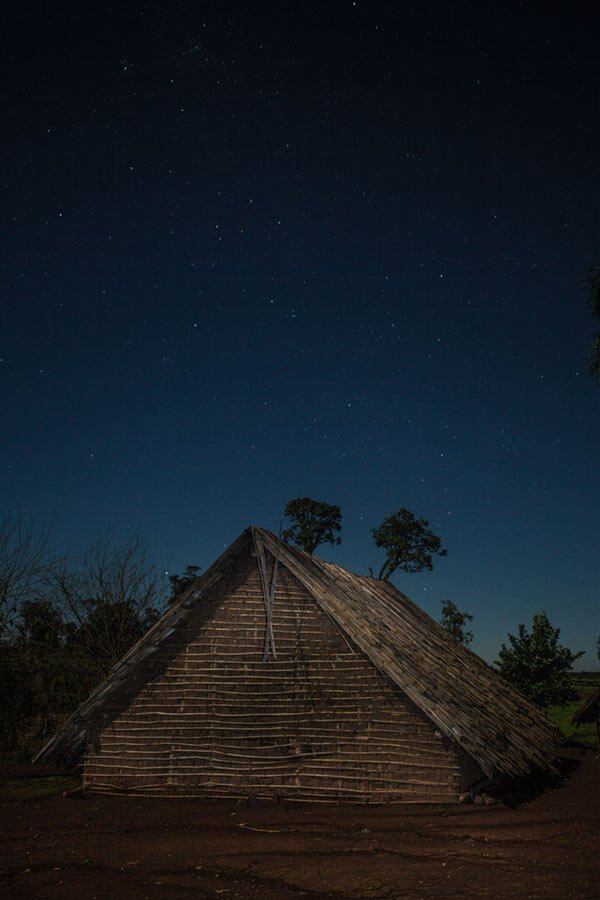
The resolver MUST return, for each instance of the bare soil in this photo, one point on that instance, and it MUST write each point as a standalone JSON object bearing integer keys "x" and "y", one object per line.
{"x": 107, "y": 848}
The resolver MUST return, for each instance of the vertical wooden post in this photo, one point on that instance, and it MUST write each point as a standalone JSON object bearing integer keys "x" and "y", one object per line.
{"x": 268, "y": 593}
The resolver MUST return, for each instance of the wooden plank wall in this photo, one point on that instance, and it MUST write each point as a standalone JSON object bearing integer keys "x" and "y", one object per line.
{"x": 207, "y": 717}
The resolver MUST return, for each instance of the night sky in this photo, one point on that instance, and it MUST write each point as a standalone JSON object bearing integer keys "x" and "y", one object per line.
{"x": 264, "y": 251}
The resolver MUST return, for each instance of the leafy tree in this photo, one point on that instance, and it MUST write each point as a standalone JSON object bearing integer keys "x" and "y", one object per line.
{"x": 455, "y": 621}
{"x": 15, "y": 700}
{"x": 40, "y": 624}
{"x": 408, "y": 542}
{"x": 58, "y": 678}
{"x": 44, "y": 675}
{"x": 537, "y": 665}
{"x": 594, "y": 302}
{"x": 313, "y": 523}
{"x": 180, "y": 583}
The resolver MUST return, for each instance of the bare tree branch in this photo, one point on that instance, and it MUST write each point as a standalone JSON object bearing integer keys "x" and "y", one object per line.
{"x": 113, "y": 593}
{"x": 25, "y": 561}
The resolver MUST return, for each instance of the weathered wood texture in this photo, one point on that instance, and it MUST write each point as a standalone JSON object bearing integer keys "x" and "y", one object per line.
{"x": 207, "y": 716}
{"x": 386, "y": 640}
{"x": 468, "y": 701}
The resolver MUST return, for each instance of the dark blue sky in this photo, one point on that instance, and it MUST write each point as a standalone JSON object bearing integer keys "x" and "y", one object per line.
{"x": 264, "y": 251}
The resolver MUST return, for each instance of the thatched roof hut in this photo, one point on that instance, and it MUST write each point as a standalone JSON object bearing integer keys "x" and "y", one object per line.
{"x": 589, "y": 712}
{"x": 277, "y": 674}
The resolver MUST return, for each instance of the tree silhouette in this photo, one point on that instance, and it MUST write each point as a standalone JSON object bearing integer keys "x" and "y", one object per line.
{"x": 313, "y": 523}
{"x": 112, "y": 594}
{"x": 180, "y": 583}
{"x": 408, "y": 542}
{"x": 455, "y": 621}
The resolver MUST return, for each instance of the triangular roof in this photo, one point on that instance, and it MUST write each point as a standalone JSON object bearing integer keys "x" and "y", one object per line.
{"x": 467, "y": 700}
{"x": 588, "y": 711}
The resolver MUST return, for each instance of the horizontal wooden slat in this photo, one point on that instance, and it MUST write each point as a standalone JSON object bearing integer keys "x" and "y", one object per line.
{"x": 218, "y": 719}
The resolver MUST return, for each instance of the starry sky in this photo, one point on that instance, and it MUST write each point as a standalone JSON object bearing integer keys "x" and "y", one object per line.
{"x": 259, "y": 251}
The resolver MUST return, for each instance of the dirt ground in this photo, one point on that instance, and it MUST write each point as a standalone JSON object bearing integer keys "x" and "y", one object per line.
{"x": 110, "y": 848}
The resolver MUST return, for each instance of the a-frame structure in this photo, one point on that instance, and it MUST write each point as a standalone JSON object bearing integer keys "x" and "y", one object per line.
{"x": 277, "y": 674}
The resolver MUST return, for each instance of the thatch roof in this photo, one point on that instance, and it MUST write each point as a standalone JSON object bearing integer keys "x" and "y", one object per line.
{"x": 462, "y": 695}
{"x": 589, "y": 711}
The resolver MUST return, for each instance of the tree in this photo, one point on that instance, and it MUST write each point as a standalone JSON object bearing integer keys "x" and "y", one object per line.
{"x": 313, "y": 523}
{"x": 15, "y": 700}
{"x": 408, "y": 542}
{"x": 44, "y": 675}
{"x": 40, "y": 624}
{"x": 64, "y": 624}
{"x": 180, "y": 583}
{"x": 112, "y": 594}
{"x": 455, "y": 621}
{"x": 594, "y": 303}
{"x": 24, "y": 562}
{"x": 57, "y": 674}
{"x": 537, "y": 665}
